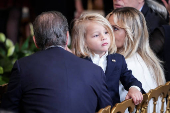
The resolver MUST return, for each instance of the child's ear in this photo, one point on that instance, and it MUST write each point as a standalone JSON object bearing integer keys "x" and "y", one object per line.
{"x": 35, "y": 42}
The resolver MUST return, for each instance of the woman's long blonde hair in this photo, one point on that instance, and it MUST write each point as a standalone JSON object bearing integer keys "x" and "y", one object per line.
{"x": 137, "y": 39}
{"x": 78, "y": 45}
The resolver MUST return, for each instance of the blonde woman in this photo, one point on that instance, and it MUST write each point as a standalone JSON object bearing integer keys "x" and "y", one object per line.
{"x": 132, "y": 42}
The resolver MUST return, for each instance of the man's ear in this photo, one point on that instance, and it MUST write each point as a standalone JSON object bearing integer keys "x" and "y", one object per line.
{"x": 35, "y": 42}
{"x": 67, "y": 38}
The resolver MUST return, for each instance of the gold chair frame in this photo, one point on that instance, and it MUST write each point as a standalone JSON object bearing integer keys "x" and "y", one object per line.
{"x": 161, "y": 90}
{"x": 168, "y": 98}
{"x": 141, "y": 108}
{"x": 105, "y": 110}
{"x": 121, "y": 107}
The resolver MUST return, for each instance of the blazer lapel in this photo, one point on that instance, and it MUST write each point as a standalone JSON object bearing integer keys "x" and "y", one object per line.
{"x": 145, "y": 9}
{"x": 110, "y": 65}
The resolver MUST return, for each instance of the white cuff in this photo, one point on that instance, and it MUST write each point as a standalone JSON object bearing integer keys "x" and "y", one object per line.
{"x": 136, "y": 87}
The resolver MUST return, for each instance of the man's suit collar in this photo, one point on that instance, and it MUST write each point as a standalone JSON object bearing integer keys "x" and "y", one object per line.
{"x": 145, "y": 9}
{"x": 88, "y": 58}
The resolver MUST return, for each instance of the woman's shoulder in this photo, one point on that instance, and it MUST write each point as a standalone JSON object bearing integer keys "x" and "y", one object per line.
{"x": 135, "y": 59}
{"x": 135, "y": 56}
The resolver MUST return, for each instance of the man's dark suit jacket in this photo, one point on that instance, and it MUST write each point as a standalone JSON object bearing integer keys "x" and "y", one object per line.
{"x": 155, "y": 23}
{"x": 56, "y": 81}
{"x": 167, "y": 50}
{"x": 117, "y": 70}
{"x": 153, "y": 19}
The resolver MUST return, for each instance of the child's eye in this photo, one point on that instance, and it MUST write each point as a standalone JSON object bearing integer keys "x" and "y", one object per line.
{"x": 106, "y": 32}
{"x": 95, "y": 35}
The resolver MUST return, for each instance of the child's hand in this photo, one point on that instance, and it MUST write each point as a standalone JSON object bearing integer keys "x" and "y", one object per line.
{"x": 135, "y": 94}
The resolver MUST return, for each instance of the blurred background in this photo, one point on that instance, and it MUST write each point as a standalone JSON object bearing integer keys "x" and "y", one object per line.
{"x": 17, "y": 15}
{"x": 16, "y": 30}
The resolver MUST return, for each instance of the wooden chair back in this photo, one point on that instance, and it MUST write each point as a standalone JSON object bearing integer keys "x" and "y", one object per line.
{"x": 162, "y": 91}
{"x": 141, "y": 108}
{"x": 168, "y": 98}
{"x": 105, "y": 110}
{"x": 121, "y": 107}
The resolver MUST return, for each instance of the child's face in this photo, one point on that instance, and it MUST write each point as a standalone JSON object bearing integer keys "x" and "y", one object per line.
{"x": 119, "y": 33}
{"x": 97, "y": 38}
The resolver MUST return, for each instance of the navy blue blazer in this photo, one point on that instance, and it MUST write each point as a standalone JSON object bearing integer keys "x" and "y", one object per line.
{"x": 56, "y": 81}
{"x": 155, "y": 23}
{"x": 117, "y": 70}
{"x": 153, "y": 19}
{"x": 166, "y": 51}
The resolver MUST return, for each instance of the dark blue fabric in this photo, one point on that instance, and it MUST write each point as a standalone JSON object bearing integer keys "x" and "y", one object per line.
{"x": 153, "y": 19}
{"x": 117, "y": 70}
{"x": 154, "y": 23}
{"x": 56, "y": 81}
{"x": 167, "y": 50}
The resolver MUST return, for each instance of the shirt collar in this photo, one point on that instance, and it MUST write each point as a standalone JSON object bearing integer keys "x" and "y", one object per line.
{"x": 97, "y": 57}
{"x": 54, "y": 46}
{"x": 141, "y": 8}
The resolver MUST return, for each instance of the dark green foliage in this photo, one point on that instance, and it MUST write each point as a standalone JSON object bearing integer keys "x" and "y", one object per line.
{"x": 9, "y": 53}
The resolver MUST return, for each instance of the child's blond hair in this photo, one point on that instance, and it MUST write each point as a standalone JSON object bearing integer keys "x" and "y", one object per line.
{"x": 79, "y": 31}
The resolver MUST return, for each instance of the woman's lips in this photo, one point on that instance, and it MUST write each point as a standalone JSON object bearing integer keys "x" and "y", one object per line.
{"x": 117, "y": 6}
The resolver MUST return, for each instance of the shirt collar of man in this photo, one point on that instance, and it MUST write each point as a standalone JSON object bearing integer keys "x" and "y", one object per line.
{"x": 141, "y": 8}
{"x": 53, "y": 46}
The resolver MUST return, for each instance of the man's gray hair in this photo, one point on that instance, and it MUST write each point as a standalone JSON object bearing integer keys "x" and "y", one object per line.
{"x": 50, "y": 29}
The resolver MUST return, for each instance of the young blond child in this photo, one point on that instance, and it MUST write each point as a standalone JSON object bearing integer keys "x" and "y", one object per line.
{"x": 93, "y": 39}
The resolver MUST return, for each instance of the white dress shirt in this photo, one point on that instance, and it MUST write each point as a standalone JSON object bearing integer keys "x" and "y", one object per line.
{"x": 141, "y": 9}
{"x": 102, "y": 62}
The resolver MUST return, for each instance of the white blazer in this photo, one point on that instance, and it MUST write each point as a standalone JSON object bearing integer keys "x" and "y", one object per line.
{"x": 145, "y": 76}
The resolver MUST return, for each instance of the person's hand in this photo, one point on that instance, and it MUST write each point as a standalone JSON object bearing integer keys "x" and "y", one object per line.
{"x": 135, "y": 94}
{"x": 167, "y": 5}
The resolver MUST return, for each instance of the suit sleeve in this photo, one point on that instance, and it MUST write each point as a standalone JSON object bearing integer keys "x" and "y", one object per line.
{"x": 127, "y": 79}
{"x": 156, "y": 41}
{"x": 166, "y": 51}
{"x": 104, "y": 97}
{"x": 11, "y": 99}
